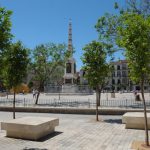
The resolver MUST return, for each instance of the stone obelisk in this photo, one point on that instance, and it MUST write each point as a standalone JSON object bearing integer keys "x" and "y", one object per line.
{"x": 70, "y": 65}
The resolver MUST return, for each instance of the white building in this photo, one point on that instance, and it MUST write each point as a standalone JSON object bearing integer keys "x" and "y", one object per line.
{"x": 119, "y": 79}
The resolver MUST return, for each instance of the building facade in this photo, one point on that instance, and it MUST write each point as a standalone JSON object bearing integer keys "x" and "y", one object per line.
{"x": 119, "y": 79}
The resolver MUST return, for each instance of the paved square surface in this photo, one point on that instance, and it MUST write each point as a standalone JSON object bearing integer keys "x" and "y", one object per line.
{"x": 76, "y": 132}
{"x": 124, "y": 100}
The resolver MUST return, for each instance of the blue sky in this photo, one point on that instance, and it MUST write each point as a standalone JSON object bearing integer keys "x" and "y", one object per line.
{"x": 40, "y": 21}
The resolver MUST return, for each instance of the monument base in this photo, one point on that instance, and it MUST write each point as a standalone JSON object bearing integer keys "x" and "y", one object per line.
{"x": 69, "y": 88}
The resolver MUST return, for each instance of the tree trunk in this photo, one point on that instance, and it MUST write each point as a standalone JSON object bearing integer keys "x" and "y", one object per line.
{"x": 97, "y": 95}
{"x": 145, "y": 115}
{"x": 40, "y": 89}
{"x": 37, "y": 97}
{"x": 14, "y": 105}
{"x": 7, "y": 94}
{"x": 59, "y": 95}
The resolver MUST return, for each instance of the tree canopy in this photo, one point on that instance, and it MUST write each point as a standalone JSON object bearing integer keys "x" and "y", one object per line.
{"x": 48, "y": 62}
{"x": 141, "y": 7}
{"x": 5, "y": 28}
{"x": 5, "y": 33}
{"x": 46, "y": 59}
{"x": 96, "y": 68}
{"x": 16, "y": 61}
{"x": 134, "y": 37}
{"x": 95, "y": 65}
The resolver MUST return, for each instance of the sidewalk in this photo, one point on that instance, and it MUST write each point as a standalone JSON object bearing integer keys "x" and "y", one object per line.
{"x": 76, "y": 132}
{"x": 71, "y": 110}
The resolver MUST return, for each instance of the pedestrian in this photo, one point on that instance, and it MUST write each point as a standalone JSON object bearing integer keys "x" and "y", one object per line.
{"x": 135, "y": 92}
{"x": 34, "y": 93}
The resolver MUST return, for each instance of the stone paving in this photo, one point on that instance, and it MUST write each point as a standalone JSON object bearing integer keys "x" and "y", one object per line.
{"x": 104, "y": 96}
{"x": 76, "y": 132}
{"x": 126, "y": 100}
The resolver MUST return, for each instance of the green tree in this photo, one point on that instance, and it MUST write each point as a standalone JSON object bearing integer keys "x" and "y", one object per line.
{"x": 16, "y": 61}
{"x": 96, "y": 68}
{"x": 141, "y": 7}
{"x": 5, "y": 33}
{"x": 107, "y": 25}
{"x": 47, "y": 59}
{"x": 134, "y": 37}
{"x": 5, "y": 28}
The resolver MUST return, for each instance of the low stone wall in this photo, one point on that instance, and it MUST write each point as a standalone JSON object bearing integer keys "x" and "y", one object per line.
{"x": 102, "y": 111}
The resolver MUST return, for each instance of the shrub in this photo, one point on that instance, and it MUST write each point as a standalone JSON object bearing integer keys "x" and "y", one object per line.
{"x": 21, "y": 88}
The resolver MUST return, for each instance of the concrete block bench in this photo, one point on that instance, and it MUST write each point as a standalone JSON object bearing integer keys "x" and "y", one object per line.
{"x": 32, "y": 128}
{"x": 135, "y": 120}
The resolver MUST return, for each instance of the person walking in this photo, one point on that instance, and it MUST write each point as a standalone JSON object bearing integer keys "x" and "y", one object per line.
{"x": 34, "y": 93}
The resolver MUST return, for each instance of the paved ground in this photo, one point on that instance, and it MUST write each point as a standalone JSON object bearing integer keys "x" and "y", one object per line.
{"x": 76, "y": 132}
{"x": 126, "y": 100}
{"x": 104, "y": 96}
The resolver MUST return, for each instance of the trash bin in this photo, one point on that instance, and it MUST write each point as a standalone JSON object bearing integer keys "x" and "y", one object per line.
{"x": 137, "y": 97}
{"x": 112, "y": 95}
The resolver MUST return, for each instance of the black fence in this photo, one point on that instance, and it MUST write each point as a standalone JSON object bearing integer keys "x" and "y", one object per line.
{"x": 89, "y": 103}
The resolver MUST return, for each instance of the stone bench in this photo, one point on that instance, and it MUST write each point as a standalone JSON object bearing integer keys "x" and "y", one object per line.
{"x": 135, "y": 120}
{"x": 32, "y": 128}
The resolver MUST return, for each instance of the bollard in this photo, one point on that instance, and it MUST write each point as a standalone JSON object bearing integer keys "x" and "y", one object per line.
{"x": 24, "y": 101}
{"x": 54, "y": 102}
{"x": 107, "y": 96}
{"x": 89, "y": 103}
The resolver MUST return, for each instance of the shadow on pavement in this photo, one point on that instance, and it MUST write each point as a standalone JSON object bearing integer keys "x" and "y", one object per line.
{"x": 49, "y": 136}
{"x": 118, "y": 121}
{"x": 34, "y": 149}
{"x": 44, "y": 139}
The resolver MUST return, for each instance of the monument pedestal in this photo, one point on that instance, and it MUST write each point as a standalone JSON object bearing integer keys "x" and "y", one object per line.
{"x": 69, "y": 88}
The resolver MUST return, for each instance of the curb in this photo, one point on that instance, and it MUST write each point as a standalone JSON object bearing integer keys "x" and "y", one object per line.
{"x": 88, "y": 111}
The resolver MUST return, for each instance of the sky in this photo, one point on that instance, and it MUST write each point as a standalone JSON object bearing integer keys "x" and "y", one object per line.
{"x": 37, "y": 22}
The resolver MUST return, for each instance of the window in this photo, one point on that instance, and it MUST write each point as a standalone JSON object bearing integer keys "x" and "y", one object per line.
{"x": 74, "y": 68}
{"x": 124, "y": 74}
{"x": 113, "y": 74}
{"x": 118, "y": 67}
{"x": 124, "y": 81}
{"x": 118, "y": 74}
{"x": 113, "y": 81}
{"x": 119, "y": 81}
{"x": 124, "y": 66}
{"x": 68, "y": 68}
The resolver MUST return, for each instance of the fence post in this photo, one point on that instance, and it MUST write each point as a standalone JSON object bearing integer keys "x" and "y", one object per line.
{"x": 24, "y": 101}
{"x": 107, "y": 95}
{"x": 89, "y": 102}
{"x": 54, "y": 102}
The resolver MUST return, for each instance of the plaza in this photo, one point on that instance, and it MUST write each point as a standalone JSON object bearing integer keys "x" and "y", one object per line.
{"x": 76, "y": 132}
{"x": 74, "y": 75}
{"x": 121, "y": 100}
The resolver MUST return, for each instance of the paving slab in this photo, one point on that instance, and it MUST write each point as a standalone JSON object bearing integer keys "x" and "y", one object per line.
{"x": 76, "y": 132}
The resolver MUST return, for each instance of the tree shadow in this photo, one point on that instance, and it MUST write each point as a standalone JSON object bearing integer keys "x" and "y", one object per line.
{"x": 43, "y": 139}
{"x": 49, "y": 136}
{"x": 118, "y": 121}
{"x": 34, "y": 149}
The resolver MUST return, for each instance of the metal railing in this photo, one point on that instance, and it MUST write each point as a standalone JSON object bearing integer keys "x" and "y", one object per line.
{"x": 89, "y": 103}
